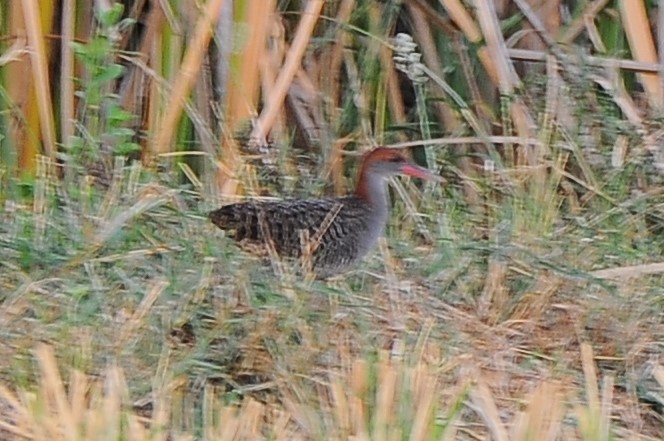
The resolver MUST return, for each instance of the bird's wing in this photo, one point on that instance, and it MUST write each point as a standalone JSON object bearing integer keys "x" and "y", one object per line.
{"x": 287, "y": 224}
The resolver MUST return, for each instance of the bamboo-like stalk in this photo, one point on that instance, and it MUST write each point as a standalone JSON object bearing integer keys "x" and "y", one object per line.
{"x": 508, "y": 80}
{"x": 637, "y": 29}
{"x": 189, "y": 70}
{"x": 20, "y": 129}
{"x": 33, "y": 25}
{"x": 660, "y": 46}
{"x": 67, "y": 71}
{"x": 288, "y": 71}
{"x": 244, "y": 82}
{"x": 463, "y": 19}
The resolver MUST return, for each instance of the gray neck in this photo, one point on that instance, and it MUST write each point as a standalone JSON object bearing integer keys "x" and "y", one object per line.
{"x": 377, "y": 195}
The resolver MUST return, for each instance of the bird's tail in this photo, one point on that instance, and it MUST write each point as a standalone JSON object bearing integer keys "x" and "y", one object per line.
{"x": 228, "y": 217}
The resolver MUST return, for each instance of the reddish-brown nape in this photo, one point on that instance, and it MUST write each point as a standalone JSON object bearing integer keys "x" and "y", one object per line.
{"x": 395, "y": 157}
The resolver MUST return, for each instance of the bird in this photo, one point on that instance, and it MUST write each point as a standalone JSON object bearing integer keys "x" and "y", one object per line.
{"x": 328, "y": 235}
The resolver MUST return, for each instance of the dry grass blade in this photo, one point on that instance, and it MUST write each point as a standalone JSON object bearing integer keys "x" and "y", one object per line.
{"x": 425, "y": 398}
{"x": 508, "y": 79}
{"x": 543, "y": 417}
{"x": 15, "y": 52}
{"x": 275, "y": 99}
{"x": 605, "y": 412}
{"x": 144, "y": 204}
{"x": 385, "y": 397}
{"x": 268, "y": 247}
{"x": 310, "y": 245}
{"x": 136, "y": 320}
{"x": 495, "y": 293}
{"x": 53, "y": 388}
{"x": 453, "y": 140}
{"x": 659, "y": 375}
{"x": 574, "y": 29}
{"x": 340, "y": 407}
{"x": 412, "y": 210}
{"x": 606, "y": 62}
{"x": 595, "y": 417}
{"x": 486, "y": 407}
{"x": 627, "y": 272}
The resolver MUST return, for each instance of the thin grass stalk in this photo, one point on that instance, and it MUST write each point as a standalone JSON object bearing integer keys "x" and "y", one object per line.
{"x": 426, "y": 395}
{"x": 420, "y": 94}
{"x": 568, "y": 34}
{"x": 332, "y": 74}
{"x": 542, "y": 419}
{"x": 359, "y": 98}
{"x": 377, "y": 100}
{"x": 165, "y": 55}
{"x": 53, "y": 387}
{"x": 486, "y": 406}
{"x": 137, "y": 92}
{"x": 589, "y": 60}
{"x": 385, "y": 397}
{"x": 590, "y": 376}
{"x": 424, "y": 37}
{"x": 137, "y": 320}
{"x": 395, "y": 100}
{"x": 270, "y": 64}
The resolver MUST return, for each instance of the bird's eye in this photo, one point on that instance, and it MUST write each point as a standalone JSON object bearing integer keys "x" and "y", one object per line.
{"x": 396, "y": 159}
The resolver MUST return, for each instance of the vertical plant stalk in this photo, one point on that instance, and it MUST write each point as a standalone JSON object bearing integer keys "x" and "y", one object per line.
{"x": 288, "y": 71}
{"x": 637, "y": 29}
{"x": 578, "y": 25}
{"x": 463, "y": 20}
{"x": 244, "y": 82}
{"x": 67, "y": 71}
{"x": 660, "y": 45}
{"x": 190, "y": 67}
{"x": 508, "y": 80}
{"x": 424, "y": 38}
{"x": 40, "y": 74}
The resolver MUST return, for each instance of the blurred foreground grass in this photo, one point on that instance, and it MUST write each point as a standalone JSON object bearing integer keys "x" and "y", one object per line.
{"x": 161, "y": 327}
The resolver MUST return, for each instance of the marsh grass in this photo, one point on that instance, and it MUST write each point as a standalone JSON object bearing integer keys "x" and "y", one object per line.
{"x": 519, "y": 301}
{"x": 172, "y": 331}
